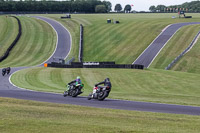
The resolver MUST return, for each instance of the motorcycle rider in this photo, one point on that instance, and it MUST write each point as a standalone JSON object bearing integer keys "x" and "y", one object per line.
{"x": 3, "y": 71}
{"x": 106, "y": 82}
{"x": 8, "y": 70}
{"x": 76, "y": 83}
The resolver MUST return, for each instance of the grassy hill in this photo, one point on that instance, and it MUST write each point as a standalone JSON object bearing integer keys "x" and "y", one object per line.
{"x": 122, "y": 42}
{"x": 176, "y": 46}
{"x": 139, "y": 85}
{"x": 150, "y": 85}
{"x": 8, "y": 32}
{"x": 36, "y": 44}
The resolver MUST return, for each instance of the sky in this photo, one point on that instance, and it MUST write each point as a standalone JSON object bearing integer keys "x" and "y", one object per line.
{"x": 143, "y": 5}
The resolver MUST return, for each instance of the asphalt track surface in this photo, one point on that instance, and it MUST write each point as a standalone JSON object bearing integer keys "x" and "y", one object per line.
{"x": 150, "y": 53}
{"x": 8, "y": 90}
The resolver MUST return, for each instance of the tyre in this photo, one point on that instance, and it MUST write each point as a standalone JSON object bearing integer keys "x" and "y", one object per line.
{"x": 65, "y": 93}
{"x": 74, "y": 92}
{"x": 3, "y": 73}
{"x": 89, "y": 97}
{"x": 102, "y": 95}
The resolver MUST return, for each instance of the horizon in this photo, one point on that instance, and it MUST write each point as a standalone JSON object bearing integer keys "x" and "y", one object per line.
{"x": 140, "y": 6}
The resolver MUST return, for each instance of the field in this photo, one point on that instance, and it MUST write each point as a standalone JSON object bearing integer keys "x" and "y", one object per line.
{"x": 36, "y": 44}
{"x": 151, "y": 85}
{"x": 138, "y": 85}
{"x": 22, "y": 116}
{"x": 8, "y": 32}
{"x": 176, "y": 46}
{"x": 122, "y": 43}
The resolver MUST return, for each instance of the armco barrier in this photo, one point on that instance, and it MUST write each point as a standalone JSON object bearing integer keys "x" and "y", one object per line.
{"x": 14, "y": 42}
{"x": 183, "y": 53}
{"x": 95, "y": 65}
{"x": 81, "y": 44}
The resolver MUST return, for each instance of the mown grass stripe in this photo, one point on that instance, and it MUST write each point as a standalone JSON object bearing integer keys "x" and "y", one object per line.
{"x": 8, "y": 32}
{"x": 35, "y": 46}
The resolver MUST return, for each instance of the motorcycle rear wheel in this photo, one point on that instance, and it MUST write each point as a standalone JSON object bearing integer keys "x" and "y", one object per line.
{"x": 74, "y": 92}
{"x": 102, "y": 95}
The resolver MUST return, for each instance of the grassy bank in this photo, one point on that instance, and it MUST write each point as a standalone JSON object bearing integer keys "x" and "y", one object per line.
{"x": 36, "y": 44}
{"x": 122, "y": 42}
{"x": 8, "y": 32}
{"x": 27, "y": 116}
{"x": 176, "y": 46}
{"x": 148, "y": 85}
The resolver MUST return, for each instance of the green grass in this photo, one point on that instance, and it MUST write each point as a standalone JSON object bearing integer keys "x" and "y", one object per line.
{"x": 8, "y": 32}
{"x": 122, "y": 42}
{"x": 36, "y": 44}
{"x": 74, "y": 30}
{"x": 176, "y": 46}
{"x": 139, "y": 85}
{"x": 27, "y": 116}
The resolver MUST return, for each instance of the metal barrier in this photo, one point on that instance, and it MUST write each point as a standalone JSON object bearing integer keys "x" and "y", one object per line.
{"x": 183, "y": 53}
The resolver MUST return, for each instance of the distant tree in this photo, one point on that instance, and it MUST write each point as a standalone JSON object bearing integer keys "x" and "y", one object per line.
{"x": 127, "y": 8}
{"x": 161, "y": 8}
{"x": 152, "y": 8}
{"x": 118, "y": 7}
{"x": 108, "y": 5}
{"x": 100, "y": 9}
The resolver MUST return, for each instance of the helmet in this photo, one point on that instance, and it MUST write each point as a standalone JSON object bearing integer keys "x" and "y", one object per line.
{"x": 78, "y": 77}
{"x": 107, "y": 80}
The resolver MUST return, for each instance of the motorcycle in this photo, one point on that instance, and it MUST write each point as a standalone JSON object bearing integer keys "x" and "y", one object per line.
{"x": 8, "y": 70}
{"x": 3, "y": 71}
{"x": 73, "y": 90}
{"x": 100, "y": 94}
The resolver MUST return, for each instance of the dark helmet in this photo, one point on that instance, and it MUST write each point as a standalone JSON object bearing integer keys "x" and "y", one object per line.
{"x": 107, "y": 80}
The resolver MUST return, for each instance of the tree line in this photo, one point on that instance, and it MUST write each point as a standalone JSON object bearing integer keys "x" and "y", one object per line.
{"x": 193, "y": 6}
{"x": 71, "y": 6}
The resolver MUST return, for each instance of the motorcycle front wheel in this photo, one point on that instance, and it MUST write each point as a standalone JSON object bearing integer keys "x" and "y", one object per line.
{"x": 65, "y": 93}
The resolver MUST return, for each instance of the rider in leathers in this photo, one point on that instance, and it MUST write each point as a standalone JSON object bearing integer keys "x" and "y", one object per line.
{"x": 77, "y": 82}
{"x": 106, "y": 83}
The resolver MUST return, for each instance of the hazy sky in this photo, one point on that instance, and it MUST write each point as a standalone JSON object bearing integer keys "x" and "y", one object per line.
{"x": 143, "y": 5}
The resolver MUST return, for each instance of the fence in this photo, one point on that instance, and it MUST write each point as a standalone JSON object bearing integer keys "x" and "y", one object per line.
{"x": 95, "y": 65}
{"x": 14, "y": 42}
{"x": 81, "y": 44}
{"x": 183, "y": 53}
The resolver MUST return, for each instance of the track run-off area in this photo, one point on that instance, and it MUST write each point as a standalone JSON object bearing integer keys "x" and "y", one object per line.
{"x": 7, "y": 89}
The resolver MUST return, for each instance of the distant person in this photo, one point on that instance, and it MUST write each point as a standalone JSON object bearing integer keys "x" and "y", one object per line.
{"x": 8, "y": 69}
{"x": 3, "y": 71}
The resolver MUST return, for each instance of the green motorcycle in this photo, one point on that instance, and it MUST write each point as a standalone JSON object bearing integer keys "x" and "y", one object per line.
{"x": 73, "y": 90}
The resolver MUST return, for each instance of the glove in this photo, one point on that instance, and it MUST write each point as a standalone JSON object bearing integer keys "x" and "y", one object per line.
{"x": 96, "y": 85}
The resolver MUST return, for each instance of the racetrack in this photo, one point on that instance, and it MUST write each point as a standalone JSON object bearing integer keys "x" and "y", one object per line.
{"x": 62, "y": 50}
{"x": 150, "y": 53}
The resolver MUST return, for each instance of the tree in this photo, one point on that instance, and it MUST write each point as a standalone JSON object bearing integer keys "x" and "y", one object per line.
{"x": 108, "y": 5}
{"x": 161, "y": 8}
{"x": 100, "y": 9}
{"x": 152, "y": 8}
{"x": 127, "y": 8}
{"x": 118, "y": 7}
